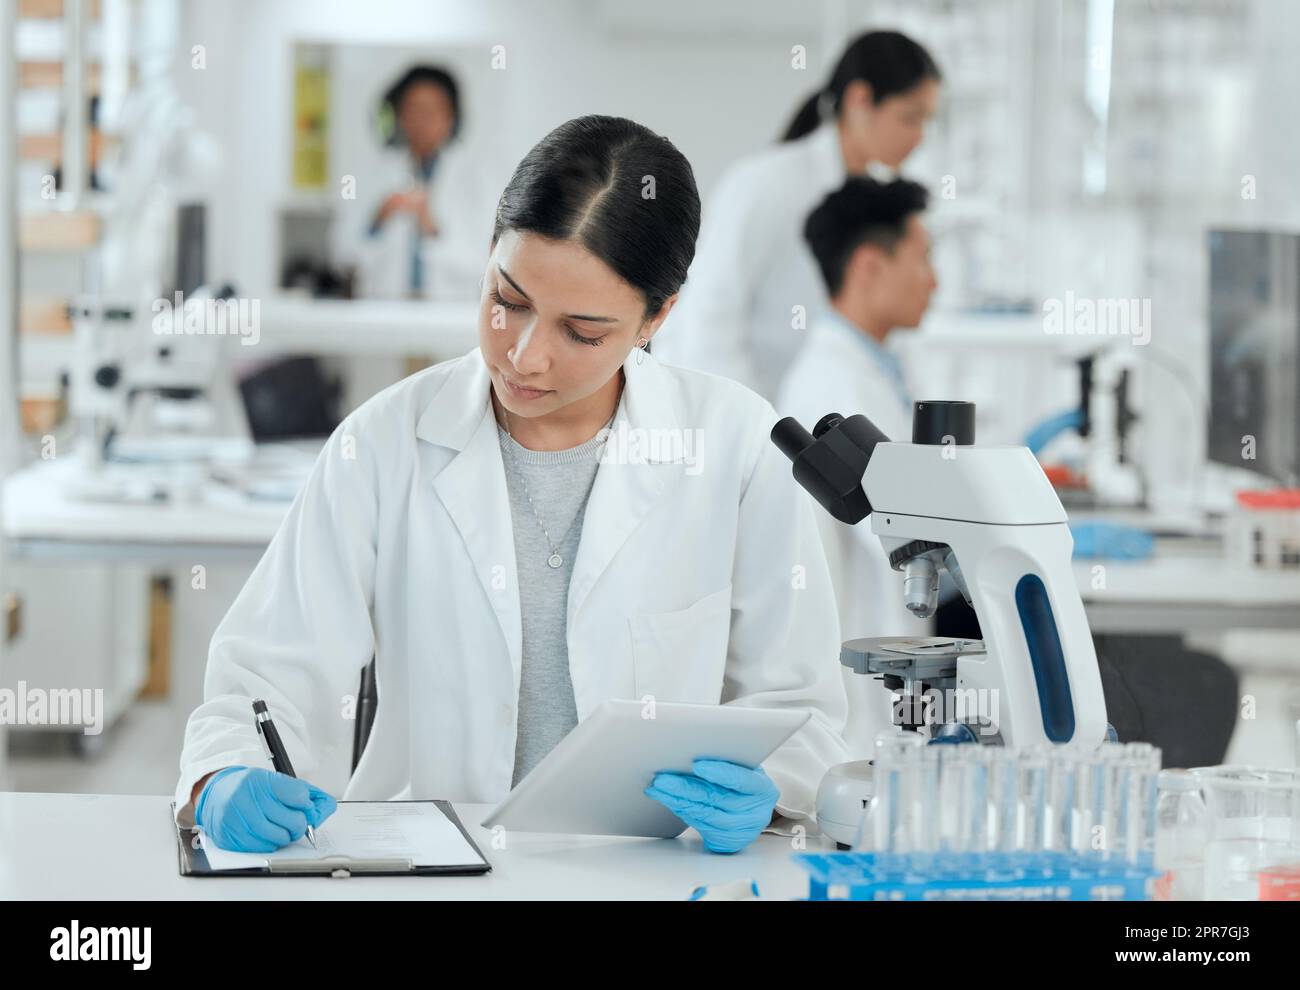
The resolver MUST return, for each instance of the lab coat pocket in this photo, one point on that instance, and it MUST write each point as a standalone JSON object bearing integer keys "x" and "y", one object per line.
{"x": 682, "y": 655}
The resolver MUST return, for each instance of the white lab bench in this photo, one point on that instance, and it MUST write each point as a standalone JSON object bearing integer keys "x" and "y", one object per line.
{"x": 42, "y": 521}
{"x": 123, "y": 847}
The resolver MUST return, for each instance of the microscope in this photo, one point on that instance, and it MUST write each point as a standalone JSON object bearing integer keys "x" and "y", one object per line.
{"x": 156, "y": 408}
{"x": 989, "y": 518}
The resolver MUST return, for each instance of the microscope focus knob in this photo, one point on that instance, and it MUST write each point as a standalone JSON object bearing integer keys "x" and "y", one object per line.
{"x": 108, "y": 375}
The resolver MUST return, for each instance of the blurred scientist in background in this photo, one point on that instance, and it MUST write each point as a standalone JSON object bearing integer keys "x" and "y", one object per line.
{"x": 874, "y": 256}
{"x": 738, "y": 313}
{"x": 421, "y": 234}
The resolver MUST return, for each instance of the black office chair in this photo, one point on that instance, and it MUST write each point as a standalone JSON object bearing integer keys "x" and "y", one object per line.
{"x": 1159, "y": 691}
{"x": 367, "y": 703}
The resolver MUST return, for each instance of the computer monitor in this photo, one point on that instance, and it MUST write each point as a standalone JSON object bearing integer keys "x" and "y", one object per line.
{"x": 1254, "y": 342}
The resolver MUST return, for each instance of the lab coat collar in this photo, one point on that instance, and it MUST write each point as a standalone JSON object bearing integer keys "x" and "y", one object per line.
{"x": 858, "y": 345}
{"x": 472, "y": 484}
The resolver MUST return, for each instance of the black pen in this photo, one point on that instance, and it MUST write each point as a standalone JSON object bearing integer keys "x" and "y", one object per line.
{"x": 279, "y": 758}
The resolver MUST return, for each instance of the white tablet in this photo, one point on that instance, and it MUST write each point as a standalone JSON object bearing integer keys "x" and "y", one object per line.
{"x": 592, "y": 782}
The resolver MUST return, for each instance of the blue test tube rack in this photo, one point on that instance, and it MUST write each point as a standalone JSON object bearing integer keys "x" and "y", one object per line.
{"x": 1051, "y": 823}
{"x": 1020, "y": 876}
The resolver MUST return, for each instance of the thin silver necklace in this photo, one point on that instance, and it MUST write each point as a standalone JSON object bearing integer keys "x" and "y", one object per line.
{"x": 554, "y": 560}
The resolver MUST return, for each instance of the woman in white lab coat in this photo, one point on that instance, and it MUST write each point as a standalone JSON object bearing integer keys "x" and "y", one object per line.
{"x": 698, "y": 576}
{"x": 415, "y": 227}
{"x": 753, "y": 285}
{"x": 872, "y": 252}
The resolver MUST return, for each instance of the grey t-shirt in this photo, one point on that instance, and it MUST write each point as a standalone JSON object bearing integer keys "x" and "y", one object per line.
{"x": 559, "y": 482}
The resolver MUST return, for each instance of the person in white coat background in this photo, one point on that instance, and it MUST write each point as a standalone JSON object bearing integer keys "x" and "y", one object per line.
{"x": 873, "y": 254}
{"x": 753, "y": 284}
{"x": 552, "y": 520}
{"x": 416, "y": 230}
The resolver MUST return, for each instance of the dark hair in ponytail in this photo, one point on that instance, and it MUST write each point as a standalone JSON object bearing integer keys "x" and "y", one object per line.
{"x": 587, "y": 181}
{"x": 889, "y": 62}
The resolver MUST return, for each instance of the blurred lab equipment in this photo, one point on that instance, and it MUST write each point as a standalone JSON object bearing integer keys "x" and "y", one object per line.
{"x": 1107, "y": 474}
{"x": 1253, "y": 419}
{"x": 1054, "y": 822}
{"x": 1263, "y": 530}
{"x": 150, "y": 380}
{"x": 1182, "y": 830}
{"x": 1254, "y": 414}
{"x": 146, "y": 386}
{"x": 1111, "y": 541}
{"x": 1254, "y": 828}
{"x": 1279, "y": 883}
{"x": 990, "y": 519}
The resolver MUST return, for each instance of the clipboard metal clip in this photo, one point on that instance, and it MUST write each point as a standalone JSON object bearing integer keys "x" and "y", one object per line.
{"x": 342, "y": 867}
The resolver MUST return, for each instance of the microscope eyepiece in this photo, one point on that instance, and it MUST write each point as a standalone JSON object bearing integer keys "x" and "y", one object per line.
{"x": 827, "y": 422}
{"x": 791, "y": 438}
{"x": 946, "y": 422}
{"x": 830, "y": 461}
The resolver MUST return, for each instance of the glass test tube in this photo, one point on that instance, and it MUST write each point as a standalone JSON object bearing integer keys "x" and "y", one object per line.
{"x": 1062, "y": 775}
{"x": 927, "y": 809}
{"x": 1144, "y": 770}
{"x": 1032, "y": 772}
{"x": 885, "y": 827}
{"x": 1004, "y": 803}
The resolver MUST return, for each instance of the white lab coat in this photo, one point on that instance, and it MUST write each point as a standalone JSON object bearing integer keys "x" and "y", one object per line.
{"x": 699, "y": 585}
{"x": 736, "y": 316}
{"x": 837, "y": 372}
{"x": 452, "y": 261}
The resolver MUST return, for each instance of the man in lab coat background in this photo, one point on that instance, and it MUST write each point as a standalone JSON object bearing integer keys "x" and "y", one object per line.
{"x": 873, "y": 253}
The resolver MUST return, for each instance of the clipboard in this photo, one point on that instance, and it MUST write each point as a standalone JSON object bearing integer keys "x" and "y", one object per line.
{"x": 193, "y": 861}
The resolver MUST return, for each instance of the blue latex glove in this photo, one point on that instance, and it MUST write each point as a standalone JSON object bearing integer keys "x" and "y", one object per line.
{"x": 248, "y": 809}
{"x": 729, "y": 805}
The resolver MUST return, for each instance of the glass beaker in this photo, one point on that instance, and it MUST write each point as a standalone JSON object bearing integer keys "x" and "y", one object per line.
{"x": 1254, "y": 824}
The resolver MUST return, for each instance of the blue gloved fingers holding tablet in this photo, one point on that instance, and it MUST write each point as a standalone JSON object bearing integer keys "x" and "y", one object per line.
{"x": 728, "y": 804}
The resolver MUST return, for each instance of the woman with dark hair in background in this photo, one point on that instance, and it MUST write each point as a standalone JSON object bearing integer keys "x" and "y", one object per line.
{"x": 517, "y": 535}
{"x": 738, "y": 315}
{"x": 419, "y": 232}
